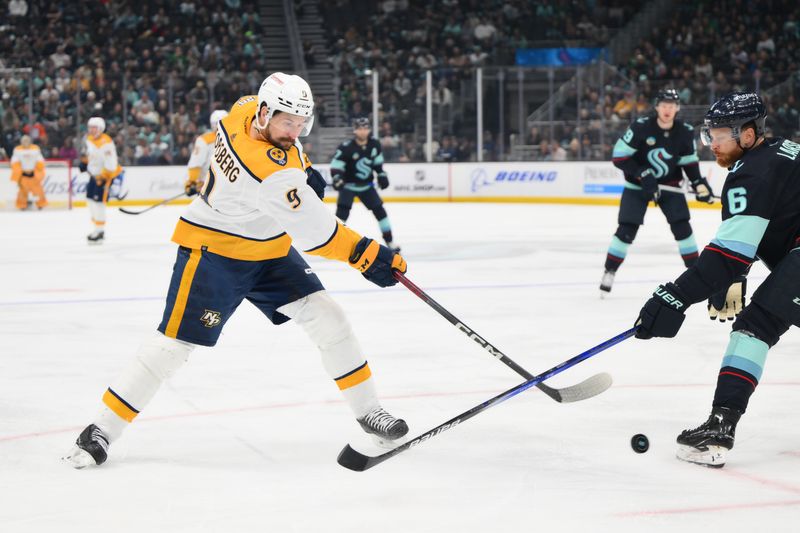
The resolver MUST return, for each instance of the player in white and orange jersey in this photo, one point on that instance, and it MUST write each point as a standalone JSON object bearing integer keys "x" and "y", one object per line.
{"x": 100, "y": 161}
{"x": 27, "y": 169}
{"x": 200, "y": 159}
{"x": 237, "y": 242}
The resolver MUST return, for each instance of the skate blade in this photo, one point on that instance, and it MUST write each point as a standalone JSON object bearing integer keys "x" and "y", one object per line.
{"x": 604, "y": 294}
{"x": 78, "y": 458}
{"x": 713, "y": 457}
{"x": 388, "y": 444}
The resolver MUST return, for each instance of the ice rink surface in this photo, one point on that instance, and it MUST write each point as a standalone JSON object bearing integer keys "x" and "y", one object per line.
{"x": 245, "y": 437}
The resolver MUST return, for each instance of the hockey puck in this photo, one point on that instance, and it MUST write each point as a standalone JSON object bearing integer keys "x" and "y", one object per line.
{"x": 639, "y": 443}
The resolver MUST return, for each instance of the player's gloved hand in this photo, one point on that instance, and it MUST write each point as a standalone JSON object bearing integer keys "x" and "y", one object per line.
{"x": 316, "y": 181}
{"x": 663, "y": 314}
{"x": 383, "y": 180}
{"x": 192, "y": 187}
{"x": 82, "y": 166}
{"x": 726, "y": 305}
{"x": 377, "y": 262}
{"x": 703, "y": 192}
{"x": 338, "y": 183}
{"x": 650, "y": 185}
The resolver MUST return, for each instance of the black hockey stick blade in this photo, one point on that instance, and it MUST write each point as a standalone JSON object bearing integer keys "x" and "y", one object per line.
{"x": 580, "y": 391}
{"x": 358, "y": 462}
{"x": 145, "y": 210}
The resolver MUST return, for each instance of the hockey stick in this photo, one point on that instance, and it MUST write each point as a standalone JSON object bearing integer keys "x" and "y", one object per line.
{"x": 357, "y": 461}
{"x": 670, "y": 188}
{"x": 575, "y": 393}
{"x": 162, "y": 202}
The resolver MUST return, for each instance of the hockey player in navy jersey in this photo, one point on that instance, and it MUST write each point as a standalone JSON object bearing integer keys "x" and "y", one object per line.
{"x": 656, "y": 150}
{"x": 352, "y": 169}
{"x": 760, "y": 220}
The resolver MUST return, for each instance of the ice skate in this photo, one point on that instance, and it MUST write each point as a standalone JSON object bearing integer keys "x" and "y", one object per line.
{"x": 96, "y": 237}
{"x": 606, "y": 283}
{"x": 708, "y": 444}
{"x": 91, "y": 448}
{"x": 384, "y": 428}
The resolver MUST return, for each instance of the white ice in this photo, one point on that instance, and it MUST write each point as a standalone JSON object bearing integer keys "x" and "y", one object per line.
{"x": 245, "y": 437}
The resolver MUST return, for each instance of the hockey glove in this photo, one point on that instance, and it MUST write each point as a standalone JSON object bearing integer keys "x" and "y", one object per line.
{"x": 726, "y": 305}
{"x": 192, "y": 187}
{"x": 650, "y": 185}
{"x": 82, "y": 166}
{"x": 316, "y": 181}
{"x": 383, "y": 180}
{"x": 662, "y": 315}
{"x": 703, "y": 192}
{"x": 376, "y": 262}
{"x": 338, "y": 183}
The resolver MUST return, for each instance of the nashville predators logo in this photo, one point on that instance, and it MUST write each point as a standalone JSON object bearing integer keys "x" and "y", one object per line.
{"x": 210, "y": 318}
{"x": 277, "y": 156}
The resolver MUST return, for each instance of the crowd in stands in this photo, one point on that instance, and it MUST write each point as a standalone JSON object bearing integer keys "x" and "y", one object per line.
{"x": 153, "y": 70}
{"x": 401, "y": 39}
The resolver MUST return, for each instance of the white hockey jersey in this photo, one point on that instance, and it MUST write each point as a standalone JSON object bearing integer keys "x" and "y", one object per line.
{"x": 256, "y": 202}
{"x": 26, "y": 159}
{"x": 101, "y": 154}
{"x": 200, "y": 159}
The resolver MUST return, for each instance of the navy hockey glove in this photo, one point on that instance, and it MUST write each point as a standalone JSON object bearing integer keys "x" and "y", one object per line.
{"x": 192, "y": 187}
{"x": 703, "y": 192}
{"x": 316, "y": 181}
{"x": 376, "y": 262}
{"x": 383, "y": 180}
{"x": 338, "y": 183}
{"x": 650, "y": 185}
{"x": 663, "y": 314}
{"x": 82, "y": 166}
{"x": 727, "y": 304}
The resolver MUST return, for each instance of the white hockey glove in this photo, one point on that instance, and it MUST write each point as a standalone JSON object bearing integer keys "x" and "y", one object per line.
{"x": 726, "y": 305}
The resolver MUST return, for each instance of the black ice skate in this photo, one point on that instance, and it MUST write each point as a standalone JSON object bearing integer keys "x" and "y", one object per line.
{"x": 90, "y": 449}
{"x": 709, "y": 443}
{"x": 383, "y": 427}
{"x": 96, "y": 237}
{"x": 606, "y": 282}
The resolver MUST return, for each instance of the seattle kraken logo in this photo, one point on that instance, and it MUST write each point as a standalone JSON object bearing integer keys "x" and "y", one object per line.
{"x": 210, "y": 318}
{"x": 657, "y": 158}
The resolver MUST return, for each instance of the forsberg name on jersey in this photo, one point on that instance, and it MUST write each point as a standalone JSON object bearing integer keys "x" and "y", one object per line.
{"x": 222, "y": 156}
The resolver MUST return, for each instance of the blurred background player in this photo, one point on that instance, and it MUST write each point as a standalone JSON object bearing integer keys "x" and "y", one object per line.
{"x": 650, "y": 153}
{"x": 352, "y": 170}
{"x": 236, "y": 243}
{"x": 760, "y": 220}
{"x": 100, "y": 161}
{"x": 27, "y": 169}
{"x": 201, "y": 155}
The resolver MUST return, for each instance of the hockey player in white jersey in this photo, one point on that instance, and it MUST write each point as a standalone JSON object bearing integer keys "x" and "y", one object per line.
{"x": 200, "y": 159}
{"x": 100, "y": 161}
{"x": 27, "y": 169}
{"x": 236, "y": 242}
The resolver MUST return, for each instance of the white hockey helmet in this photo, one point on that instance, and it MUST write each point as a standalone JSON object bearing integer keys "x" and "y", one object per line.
{"x": 216, "y": 116}
{"x": 288, "y": 93}
{"x": 99, "y": 122}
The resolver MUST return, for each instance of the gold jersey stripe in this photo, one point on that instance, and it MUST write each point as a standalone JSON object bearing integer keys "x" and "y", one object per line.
{"x": 228, "y": 245}
{"x": 340, "y": 246}
{"x": 183, "y": 294}
{"x": 120, "y": 408}
{"x": 359, "y": 375}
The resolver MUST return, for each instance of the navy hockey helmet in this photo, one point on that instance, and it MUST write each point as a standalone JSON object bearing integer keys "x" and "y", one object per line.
{"x": 734, "y": 111}
{"x": 668, "y": 95}
{"x": 361, "y": 122}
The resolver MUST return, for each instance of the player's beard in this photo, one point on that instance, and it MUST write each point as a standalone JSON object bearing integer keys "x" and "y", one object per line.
{"x": 282, "y": 142}
{"x": 727, "y": 160}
